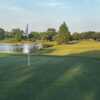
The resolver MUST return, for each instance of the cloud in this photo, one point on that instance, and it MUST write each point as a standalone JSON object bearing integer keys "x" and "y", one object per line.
{"x": 50, "y": 4}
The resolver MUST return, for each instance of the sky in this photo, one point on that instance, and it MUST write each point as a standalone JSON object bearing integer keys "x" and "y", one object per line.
{"x": 79, "y": 15}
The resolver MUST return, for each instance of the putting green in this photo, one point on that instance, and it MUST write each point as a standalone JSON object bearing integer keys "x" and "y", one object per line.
{"x": 72, "y": 77}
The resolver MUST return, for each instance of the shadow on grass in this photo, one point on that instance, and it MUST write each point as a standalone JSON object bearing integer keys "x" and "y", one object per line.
{"x": 44, "y": 51}
{"x": 72, "y": 77}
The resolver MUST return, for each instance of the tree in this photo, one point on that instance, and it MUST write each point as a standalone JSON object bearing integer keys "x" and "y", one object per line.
{"x": 87, "y": 35}
{"x": 51, "y": 32}
{"x": 63, "y": 29}
{"x": 2, "y": 34}
{"x": 63, "y": 35}
{"x": 61, "y": 38}
{"x": 17, "y": 34}
{"x": 96, "y": 36}
{"x": 44, "y": 36}
{"x": 34, "y": 36}
{"x": 48, "y": 35}
{"x": 76, "y": 36}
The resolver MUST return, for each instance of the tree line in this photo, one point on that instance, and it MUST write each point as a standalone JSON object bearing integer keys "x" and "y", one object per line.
{"x": 63, "y": 35}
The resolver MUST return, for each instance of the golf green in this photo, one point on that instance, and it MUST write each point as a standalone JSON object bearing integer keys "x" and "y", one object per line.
{"x": 72, "y": 77}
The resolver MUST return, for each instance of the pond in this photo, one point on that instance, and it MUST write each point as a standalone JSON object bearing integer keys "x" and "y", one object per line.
{"x": 19, "y": 48}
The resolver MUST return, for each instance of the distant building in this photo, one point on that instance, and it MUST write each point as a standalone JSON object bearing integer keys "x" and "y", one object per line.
{"x": 26, "y": 33}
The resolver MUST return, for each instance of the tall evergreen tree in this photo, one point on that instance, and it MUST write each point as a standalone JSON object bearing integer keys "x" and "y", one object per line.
{"x": 64, "y": 34}
{"x": 63, "y": 29}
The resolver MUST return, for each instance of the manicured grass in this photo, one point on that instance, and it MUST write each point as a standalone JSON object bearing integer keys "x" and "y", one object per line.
{"x": 71, "y": 73}
{"x": 71, "y": 77}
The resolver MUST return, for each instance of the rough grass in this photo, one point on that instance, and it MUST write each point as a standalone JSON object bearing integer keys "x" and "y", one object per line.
{"x": 82, "y": 46}
{"x": 73, "y": 77}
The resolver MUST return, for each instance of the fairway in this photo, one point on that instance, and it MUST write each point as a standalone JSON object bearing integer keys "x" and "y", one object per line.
{"x": 71, "y": 77}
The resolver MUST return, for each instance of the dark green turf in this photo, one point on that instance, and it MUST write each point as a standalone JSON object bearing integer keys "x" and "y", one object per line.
{"x": 73, "y": 77}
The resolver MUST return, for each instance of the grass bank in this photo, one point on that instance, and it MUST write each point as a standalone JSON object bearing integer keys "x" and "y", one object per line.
{"x": 81, "y": 47}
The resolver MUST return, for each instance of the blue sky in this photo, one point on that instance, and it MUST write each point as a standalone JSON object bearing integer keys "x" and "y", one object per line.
{"x": 80, "y": 15}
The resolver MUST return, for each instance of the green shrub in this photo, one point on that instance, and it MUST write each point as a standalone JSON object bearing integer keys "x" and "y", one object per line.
{"x": 47, "y": 45}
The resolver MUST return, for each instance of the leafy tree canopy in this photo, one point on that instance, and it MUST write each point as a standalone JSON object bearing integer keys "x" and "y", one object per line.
{"x": 2, "y": 34}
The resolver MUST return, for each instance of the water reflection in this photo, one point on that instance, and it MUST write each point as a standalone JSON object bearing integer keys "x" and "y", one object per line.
{"x": 22, "y": 48}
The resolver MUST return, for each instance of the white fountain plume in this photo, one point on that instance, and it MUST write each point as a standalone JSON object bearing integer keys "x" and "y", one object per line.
{"x": 27, "y": 47}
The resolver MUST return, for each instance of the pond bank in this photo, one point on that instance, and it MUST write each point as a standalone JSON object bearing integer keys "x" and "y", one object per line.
{"x": 15, "y": 42}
